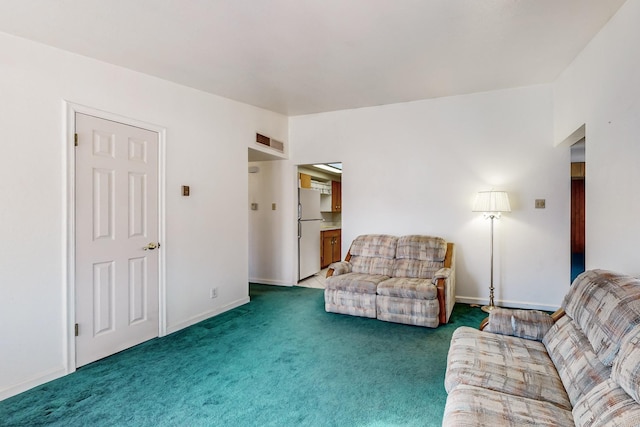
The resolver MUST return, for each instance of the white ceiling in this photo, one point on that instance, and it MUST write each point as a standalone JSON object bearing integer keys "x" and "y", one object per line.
{"x": 304, "y": 56}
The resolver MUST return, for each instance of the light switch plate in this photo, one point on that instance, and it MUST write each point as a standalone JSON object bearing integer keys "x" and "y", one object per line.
{"x": 254, "y": 206}
{"x": 185, "y": 190}
{"x": 540, "y": 203}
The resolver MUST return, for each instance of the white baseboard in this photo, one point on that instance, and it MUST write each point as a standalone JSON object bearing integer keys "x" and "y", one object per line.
{"x": 207, "y": 314}
{"x": 56, "y": 373}
{"x": 270, "y": 282}
{"x": 36, "y": 380}
{"x": 506, "y": 303}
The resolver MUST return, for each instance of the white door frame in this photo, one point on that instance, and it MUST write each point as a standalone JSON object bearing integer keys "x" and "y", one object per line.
{"x": 69, "y": 308}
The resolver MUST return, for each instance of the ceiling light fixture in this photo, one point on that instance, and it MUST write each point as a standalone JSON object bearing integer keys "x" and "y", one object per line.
{"x": 328, "y": 168}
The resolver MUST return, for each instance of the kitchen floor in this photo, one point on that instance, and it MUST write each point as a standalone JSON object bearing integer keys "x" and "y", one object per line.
{"x": 315, "y": 281}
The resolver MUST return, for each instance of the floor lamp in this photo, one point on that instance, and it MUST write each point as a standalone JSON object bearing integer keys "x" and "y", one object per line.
{"x": 492, "y": 204}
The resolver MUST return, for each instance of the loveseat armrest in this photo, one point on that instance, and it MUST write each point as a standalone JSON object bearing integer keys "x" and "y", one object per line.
{"x": 338, "y": 268}
{"x": 444, "y": 282}
{"x": 443, "y": 273}
{"x": 528, "y": 324}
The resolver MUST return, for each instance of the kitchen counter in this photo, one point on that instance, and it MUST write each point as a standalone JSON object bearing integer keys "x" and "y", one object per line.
{"x": 330, "y": 227}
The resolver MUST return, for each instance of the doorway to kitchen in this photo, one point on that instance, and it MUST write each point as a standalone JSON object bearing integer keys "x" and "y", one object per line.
{"x": 319, "y": 222}
{"x": 270, "y": 238}
{"x": 578, "y": 175}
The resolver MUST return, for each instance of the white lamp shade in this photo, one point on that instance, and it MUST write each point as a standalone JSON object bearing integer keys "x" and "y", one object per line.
{"x": 492, "y": 201}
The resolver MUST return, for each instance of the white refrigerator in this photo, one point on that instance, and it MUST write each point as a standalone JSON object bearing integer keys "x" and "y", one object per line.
{"x": 309, "y": 220}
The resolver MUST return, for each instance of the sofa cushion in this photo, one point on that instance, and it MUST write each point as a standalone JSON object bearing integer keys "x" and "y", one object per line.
{"x": 502, "y": 363}
{"x": 626, "y": 368}
{"x": 355, "y": 282}
{"x": 373, "y": 266}
{"x": 419, "y": 312}
{"x": 352, "y": 303}
{"x": 423, "y": 248}
{"x": 529, "y": 324}
{"x": 415, "y": 269}
{"x": 374, "y": 245}
{"x": 373, "y": 254}
{"x": 403, "y": 287}
{"x": 574, "y": 358}
{"x": 607, "y": 405}
{"x": 419, "y": 256}
{"x": 606, "y": 306}
{"x": 475, "y": 406}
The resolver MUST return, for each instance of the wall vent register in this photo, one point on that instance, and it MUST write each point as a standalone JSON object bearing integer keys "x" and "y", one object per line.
{"x": 270, "y": 142}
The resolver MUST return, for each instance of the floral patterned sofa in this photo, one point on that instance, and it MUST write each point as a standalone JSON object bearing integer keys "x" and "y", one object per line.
{"x": 408, "y": 279}
{"x": 579, "y": 366}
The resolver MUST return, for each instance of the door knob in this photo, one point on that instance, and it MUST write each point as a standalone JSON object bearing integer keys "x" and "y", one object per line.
{"x": 151, "y": 246}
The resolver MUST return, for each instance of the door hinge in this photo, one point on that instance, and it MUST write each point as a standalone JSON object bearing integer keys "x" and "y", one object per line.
{"x": 75, "y": 139}
{"x": 76, "y": 329}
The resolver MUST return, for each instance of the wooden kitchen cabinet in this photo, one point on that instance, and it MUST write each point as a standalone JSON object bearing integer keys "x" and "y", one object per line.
{"x": 305, "y": 180}
{"x": 330, "y": 247}
{"x": 336, "y": 196}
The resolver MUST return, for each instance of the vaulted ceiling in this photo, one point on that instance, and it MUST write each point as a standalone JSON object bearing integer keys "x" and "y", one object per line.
{"x": 305, "y": 56}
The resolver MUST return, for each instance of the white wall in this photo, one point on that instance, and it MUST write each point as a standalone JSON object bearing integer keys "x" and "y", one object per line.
{"x": 272, "y": 248}
{"x": 601, "y": 89}
{"x": 206, "y": 234}
{"x": 416, "y": 167}
{"x": 409, "y": 168}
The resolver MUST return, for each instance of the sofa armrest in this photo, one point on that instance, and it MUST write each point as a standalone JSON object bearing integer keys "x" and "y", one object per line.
{"x": 338, "y": 268}
{"x": 443, "y": 273}
{"x": 528, "y": 324}
{"x": 445, "y": 286}
{"x": 445, "y": 281}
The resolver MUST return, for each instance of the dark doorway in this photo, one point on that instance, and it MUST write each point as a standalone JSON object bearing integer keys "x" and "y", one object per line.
{"x": 578, "y": 174}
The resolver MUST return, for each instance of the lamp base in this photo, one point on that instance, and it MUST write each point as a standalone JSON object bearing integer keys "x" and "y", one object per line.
{"x": 487, "y": 308}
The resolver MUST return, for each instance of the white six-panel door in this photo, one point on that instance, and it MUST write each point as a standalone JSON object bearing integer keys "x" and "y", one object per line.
{"x": 116, "y": 231}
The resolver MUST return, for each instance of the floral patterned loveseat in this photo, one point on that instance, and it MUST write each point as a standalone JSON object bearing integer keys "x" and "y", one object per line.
{"x": 579, "y": 366}
{"x": 408, "y": 279}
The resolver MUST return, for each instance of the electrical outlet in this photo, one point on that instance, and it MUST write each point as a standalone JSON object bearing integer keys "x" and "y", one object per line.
{"x": 213, "y": 293}
{"x": 540, "y": 203}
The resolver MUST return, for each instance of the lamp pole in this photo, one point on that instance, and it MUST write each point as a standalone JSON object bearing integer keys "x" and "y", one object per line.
{"x": 492, "y": 203}
{"x": 491, "y": 306}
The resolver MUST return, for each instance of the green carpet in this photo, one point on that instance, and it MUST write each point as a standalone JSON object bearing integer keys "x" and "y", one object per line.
{"x": 280, "y": 360}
